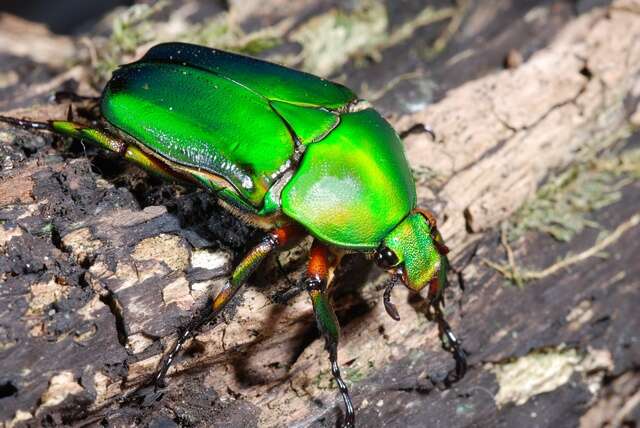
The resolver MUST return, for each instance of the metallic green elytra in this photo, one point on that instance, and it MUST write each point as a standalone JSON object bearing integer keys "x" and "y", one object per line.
{"x": 287, "y": 150}
{"x": 233, "y": 116}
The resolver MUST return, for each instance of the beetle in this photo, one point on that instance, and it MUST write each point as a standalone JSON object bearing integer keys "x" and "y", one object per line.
{"x": 287, "y": 151}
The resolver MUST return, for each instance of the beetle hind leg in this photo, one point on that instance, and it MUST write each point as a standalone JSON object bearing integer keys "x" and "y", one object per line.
{"x": 26, "y": 124}
{"x": 104, "y": 140}
{"x": 316, "y": 283}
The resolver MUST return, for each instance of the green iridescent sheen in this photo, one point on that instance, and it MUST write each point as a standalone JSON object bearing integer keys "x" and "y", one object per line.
{"x": 239, "y": 118}
{"x": 309, "y": 124}
{"x": 198, "y": 119}
{"x": 231, "y": 115}
{"x": 325, "y": 316}
{"x": 271, "y": 81}
{"x": 354, "y": 186}
{"x": 411, "y": 241}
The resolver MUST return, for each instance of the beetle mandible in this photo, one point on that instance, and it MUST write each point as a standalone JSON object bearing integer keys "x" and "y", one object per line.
{"x": 288, "y": 151}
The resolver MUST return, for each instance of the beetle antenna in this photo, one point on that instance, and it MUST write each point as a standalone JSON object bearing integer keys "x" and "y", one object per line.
{"x": 386, "y": 297}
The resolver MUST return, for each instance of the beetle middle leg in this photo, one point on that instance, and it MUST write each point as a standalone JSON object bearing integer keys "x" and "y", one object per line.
{"x": 317, "y": 284}
{"x": 276, "y": 239}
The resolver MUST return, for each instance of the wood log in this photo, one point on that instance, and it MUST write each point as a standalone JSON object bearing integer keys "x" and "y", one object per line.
{"x": 101, "y": 264}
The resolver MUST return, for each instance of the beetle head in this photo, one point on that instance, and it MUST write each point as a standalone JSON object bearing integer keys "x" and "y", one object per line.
{"x": 415, "y": 251}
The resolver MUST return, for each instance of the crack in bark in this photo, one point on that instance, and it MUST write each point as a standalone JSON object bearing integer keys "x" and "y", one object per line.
{"x": 584, "y": 71}
{"x": 115, "y": 307}
{"x": 110, "y": 299}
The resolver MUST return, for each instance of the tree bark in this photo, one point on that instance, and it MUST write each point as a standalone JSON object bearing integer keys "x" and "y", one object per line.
{"x": 101, "y": 264}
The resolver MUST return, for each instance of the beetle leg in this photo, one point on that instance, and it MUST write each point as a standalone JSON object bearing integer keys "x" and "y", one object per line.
{"x": 26, "y": 124}
{"x": 277, "y": 238}
{"x": 103, "y": 139}
{"x": 435, "y": 303}
{"x": 454, "y": 346}
{"x": 451, "y": 344}
{"x": 316, "y": 283}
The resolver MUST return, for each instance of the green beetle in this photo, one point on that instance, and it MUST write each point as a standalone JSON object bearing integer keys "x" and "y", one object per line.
{"x": 285, "y": 150}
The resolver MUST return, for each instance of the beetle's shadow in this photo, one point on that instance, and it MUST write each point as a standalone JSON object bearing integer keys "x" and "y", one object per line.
{"x": 206, "y": 223}
{"x": 249, "y": 364}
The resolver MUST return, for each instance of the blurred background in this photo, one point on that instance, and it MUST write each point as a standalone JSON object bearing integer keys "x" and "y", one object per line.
{"x": 66, "y": 16}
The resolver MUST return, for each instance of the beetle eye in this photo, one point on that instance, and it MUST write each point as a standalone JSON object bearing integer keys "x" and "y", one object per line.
{"x": 385, "y": 258}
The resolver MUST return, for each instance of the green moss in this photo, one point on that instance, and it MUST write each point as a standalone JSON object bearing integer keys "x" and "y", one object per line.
{"x": 221, "y": 32}
{"x": 427, "y": 177}
{"x": 538, "y": 372}
{"x": 561, "y": 206}
{"x": 329, "y": 40}
{"x": 138, "y": 25}
{"x": 129, "y": 30}
{"x": 324, "y": 380}
{"x": 354, "y": 374}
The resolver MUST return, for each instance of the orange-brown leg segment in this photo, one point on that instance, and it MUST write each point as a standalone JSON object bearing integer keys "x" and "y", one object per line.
{"x": 316, "y": 283}
{"x": 276, "y": 239}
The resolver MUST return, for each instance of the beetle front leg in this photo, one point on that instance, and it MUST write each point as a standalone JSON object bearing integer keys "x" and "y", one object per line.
{"x": 277, "y": 238}
{"x": 316, "y": 283}
{"x": 455, "y": 348}
{"x": 452, "y": 344}
{"x": 435, "y": 303}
